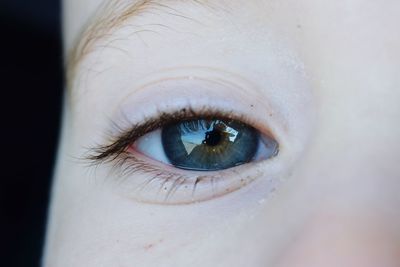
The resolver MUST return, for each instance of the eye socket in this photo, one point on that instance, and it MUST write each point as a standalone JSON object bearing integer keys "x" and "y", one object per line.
{"x": 206, "y": 144}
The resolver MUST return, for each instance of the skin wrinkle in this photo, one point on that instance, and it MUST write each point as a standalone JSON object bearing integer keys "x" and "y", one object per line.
{"x": 108, "y": 19}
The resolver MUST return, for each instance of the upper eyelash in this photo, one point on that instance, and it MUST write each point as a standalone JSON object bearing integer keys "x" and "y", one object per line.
{"x": 118, "y": 144}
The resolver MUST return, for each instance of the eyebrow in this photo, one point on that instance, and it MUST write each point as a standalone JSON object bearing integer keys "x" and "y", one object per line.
{"x": 109, "y": 18}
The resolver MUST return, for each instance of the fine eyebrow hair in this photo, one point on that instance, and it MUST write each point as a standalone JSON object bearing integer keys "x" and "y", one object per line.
{"x": 109, "y": 18}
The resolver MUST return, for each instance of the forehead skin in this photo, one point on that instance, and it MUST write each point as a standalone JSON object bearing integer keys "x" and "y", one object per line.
{"x": 341, "y": 206}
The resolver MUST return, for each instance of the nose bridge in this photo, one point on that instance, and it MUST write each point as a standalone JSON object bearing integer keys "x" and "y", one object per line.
{"x": 356, "y": 145}
{"x": 347, "y": 186}
{"x": 350, "y": 179}
{"x": 355, "y": 217}
{"x": 354, "y": 168}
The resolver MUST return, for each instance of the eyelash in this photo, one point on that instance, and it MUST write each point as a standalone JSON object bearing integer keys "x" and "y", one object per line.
{"x": 124, "y": 138}
{"x": 125, "y": 163}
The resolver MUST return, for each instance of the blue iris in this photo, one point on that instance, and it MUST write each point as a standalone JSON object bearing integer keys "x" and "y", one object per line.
{"x": 209, "y": 145}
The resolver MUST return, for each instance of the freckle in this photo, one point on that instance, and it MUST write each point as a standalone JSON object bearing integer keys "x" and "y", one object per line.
{"x": 149, "y": 246}
{"x": 165, "y": 188}
{"x": 298, "y": 26}
{"x": 152, "y": 245}
{"x": 252, "y": 106}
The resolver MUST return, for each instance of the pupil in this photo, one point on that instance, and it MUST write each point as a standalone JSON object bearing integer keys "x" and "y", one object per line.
{"x": 212, "y": 138}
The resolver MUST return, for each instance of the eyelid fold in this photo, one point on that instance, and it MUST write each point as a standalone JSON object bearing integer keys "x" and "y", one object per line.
{"x": 205, "y": 96}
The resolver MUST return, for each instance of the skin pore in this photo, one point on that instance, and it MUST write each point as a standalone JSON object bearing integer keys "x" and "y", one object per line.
{"x": 321, "y": 77}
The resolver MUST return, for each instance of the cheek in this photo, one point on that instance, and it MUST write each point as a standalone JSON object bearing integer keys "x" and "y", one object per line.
{"x": 332, "y": 239}
{"x": 344, "y": 199}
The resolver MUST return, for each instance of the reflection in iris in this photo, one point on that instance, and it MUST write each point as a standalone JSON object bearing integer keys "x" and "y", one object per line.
{"x": 209, "y": 144}
{"x": 205, "y": 133}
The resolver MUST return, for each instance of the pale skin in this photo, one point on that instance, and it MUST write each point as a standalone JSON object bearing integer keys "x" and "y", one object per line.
{"x": 322, "y": 76}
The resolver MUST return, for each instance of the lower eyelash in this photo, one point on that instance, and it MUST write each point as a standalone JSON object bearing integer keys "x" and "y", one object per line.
{"x": 127, "y": 165}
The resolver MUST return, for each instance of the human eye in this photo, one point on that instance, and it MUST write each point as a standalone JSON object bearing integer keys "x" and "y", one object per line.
{"x": 206, "y": 144}
{"x": 188, "y": 151}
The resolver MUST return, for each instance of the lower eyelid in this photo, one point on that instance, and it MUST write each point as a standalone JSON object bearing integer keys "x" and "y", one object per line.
{"x": 148, "y": 181}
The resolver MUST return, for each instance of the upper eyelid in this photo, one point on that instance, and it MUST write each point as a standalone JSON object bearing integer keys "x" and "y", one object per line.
{"x": 108, "y": 19}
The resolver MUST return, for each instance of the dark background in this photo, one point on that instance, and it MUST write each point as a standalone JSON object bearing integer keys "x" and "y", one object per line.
{"x": 31, "y": 86}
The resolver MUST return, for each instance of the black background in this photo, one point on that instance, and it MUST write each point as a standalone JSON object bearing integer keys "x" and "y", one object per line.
{"x": 31, "y": 89}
